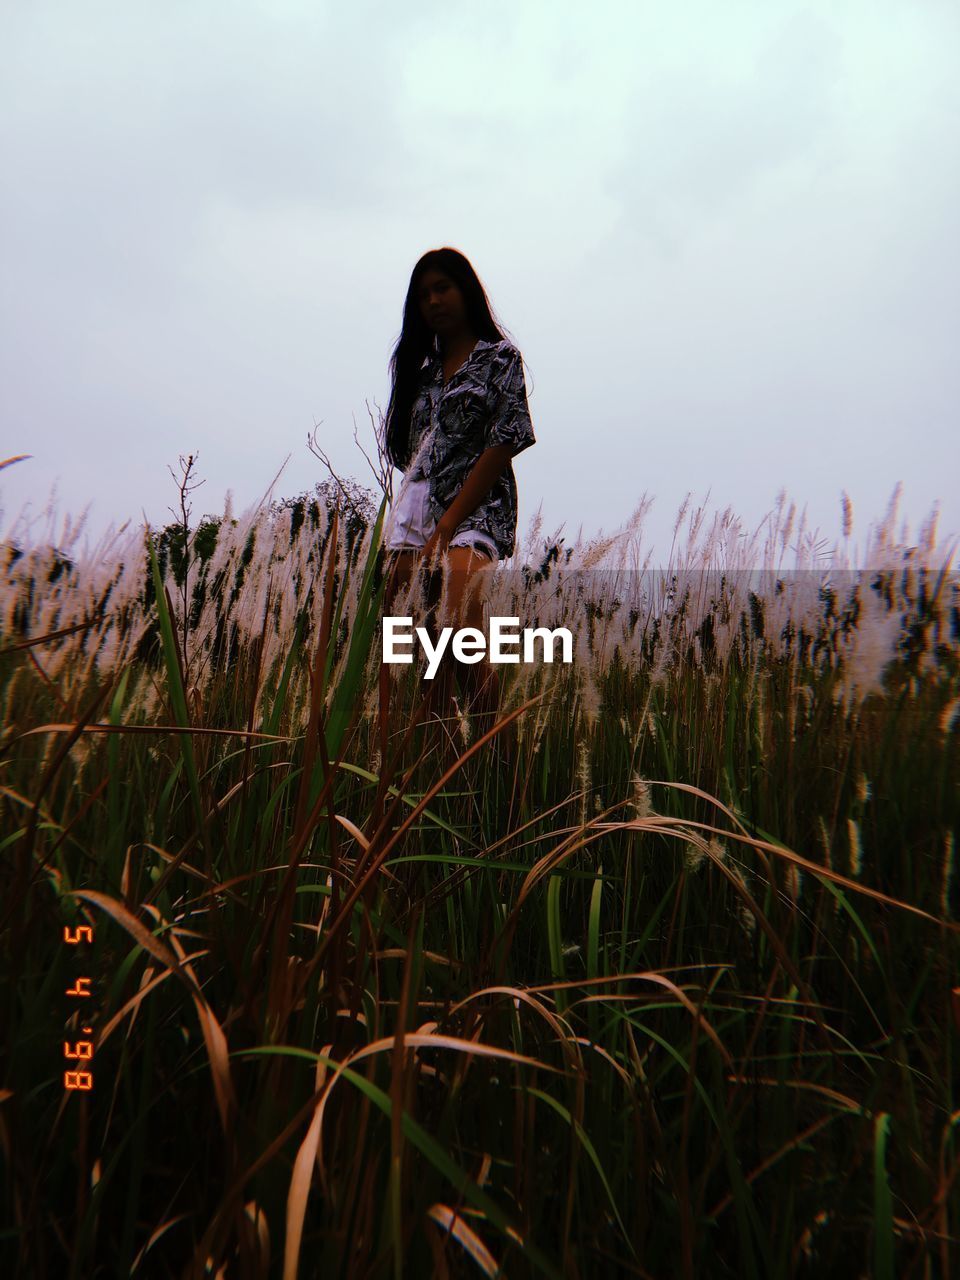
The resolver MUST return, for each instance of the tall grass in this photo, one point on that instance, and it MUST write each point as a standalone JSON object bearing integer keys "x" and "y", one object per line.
{"x": 665, "y": 988}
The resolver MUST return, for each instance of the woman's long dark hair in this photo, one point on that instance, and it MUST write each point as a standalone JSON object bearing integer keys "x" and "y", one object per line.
{"x": 417, "y": 340}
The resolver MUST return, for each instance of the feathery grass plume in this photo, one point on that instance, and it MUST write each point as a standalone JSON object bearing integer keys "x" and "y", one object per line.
{"x": 597, "y": 550}
{"x": 793, "y": 878}
{"x": 927, "y": 534}
{"x": 80, "y": 754}
{"x": 787, "y": 527}
{"x": 847, "y": 515}
{"x": 806, "y": 695}
{"x": 138, "y": 682}
{"x": 583, "y": 777}
{"x": 883, "y": 539}
{"x": 684, "y": 508}
{"x": 761, "y": 701}
{"x": 463, "y": 722}
{"x": 948, "y": 715}
{"x": 533, "y": 534}
{"x": 694, "y": 523}
{"x": 856, "y": 849}
{"x": 695, "y": 854}
{"x": 640, "y": 799}
{"x": 693, "y": 857}
{"x": 725, "y": 630}
{"x": 947, "y": 881}
{"x": 748, "y": 921}
{"x": 591, "y": 700}
{"x": 663, "y": 660}
{"x": 718, "y": 849}
{"x": 825, "y": 841}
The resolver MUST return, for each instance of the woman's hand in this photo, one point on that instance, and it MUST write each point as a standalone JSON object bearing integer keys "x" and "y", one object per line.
{"x": 436, "y": 545}
{"x": 486, "y": 470}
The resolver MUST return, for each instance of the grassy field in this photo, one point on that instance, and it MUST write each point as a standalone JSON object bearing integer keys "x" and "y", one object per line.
{"x": 666, "y": 986}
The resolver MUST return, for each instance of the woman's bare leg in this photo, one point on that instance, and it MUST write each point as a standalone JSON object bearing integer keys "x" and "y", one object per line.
{"x": 467, "y": 576}
{"x": 455, "y": 594}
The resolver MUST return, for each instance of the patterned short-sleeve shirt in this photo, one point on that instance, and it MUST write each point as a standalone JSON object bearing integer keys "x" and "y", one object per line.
{"x": 484, "y": 404}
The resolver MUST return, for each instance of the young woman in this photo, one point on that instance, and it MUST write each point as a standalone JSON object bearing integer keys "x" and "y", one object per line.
{"x": 457, "y": 416}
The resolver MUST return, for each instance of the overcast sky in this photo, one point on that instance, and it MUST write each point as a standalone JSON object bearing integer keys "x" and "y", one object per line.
{"x": 722, "y": 235}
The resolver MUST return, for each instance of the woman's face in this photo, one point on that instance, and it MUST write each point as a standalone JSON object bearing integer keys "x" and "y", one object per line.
{"x": 441, "y": 302}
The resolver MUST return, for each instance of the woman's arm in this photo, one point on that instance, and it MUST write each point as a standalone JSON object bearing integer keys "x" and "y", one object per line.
{"x": 477, "y": 485}
{"x": 486, "y": 470}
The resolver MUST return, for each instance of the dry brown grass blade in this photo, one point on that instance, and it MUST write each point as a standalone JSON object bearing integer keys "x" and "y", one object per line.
{"x": 455, "y": 1227}
{"x": 398, "y": 953}
{"x": 311, "y": 1148}
{"x": 42, "y": 864}
{"x": 647, "y": 976}
{"x": 147, "y": 984}
{"x": 608, "y": 1057}
{"x": 175, "y": 861}
{"x": 447, "y": 775}
{"x": 260, "y": 1242}
{"x": 807, "y": 1085}
{"x": 49, "y": 684}
{"x": 726, "y": 1201}
{"x": 520, "y": 995}
{"x": 382, "y": 854}
{"x": 193, "y": 730}
{"x": 577, "y": 839}
{"x": 139, "y": 932}
{"x": 26, "y": 803}
{"x": 657, "y": 822}
{"x": 20, "y": 891}
{"x": 85, "y": 807}
{"x": 431, "y": 1040}
{"x": 51, "y": 635}
{"x": 678, "y": 829}
{"x": 461, "y": 875}
{"x": 214, "y": 1039}
{"x": 155, "y": 1236}
{"x": 277, "y": 925}
{"x": 212, "y": 1032}
{"x": 301, "y": 1178}
{"x": 236, "y": 1188}
{"x": 416, "y": 1040}
{"x": 239, "y": 786}
{"x": 354, "y": 830}
{"x": 664, "y": 824}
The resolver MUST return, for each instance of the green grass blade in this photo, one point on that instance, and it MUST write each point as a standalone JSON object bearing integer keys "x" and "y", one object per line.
{"x": 589, "y": 1148}
{"x": 554, "y": 939}
{"x": 431, "y": 1149}
{"x": 858, "y": 924}
{"x": 882, "y": 1202}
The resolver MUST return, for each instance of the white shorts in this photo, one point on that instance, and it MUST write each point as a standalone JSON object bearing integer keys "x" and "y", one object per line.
{"x": 410, "y": 523}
